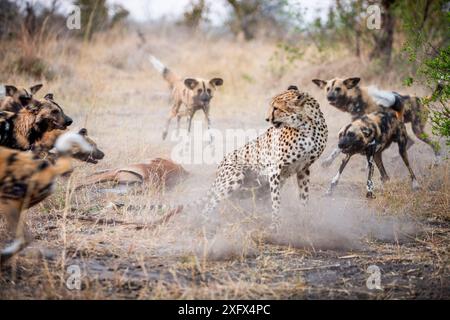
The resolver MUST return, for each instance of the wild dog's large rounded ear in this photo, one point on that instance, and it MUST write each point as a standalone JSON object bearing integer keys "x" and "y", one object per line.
{"x": 33, "y": 108}
{"x": 36, "y": 88}
{"x": 366, "y": 131}
{"x": 216, "y": 82}
{"x": 344, "y": 130}
{"x": 320, "y": 83}
{"x": 190, "y": 83}
{"x": 292, "y": 87}
{"x": 351, "y": 82}
{"x": 10, "y": 90}
{"x": 83, "y": 132}
{"x": 49, "y": 96}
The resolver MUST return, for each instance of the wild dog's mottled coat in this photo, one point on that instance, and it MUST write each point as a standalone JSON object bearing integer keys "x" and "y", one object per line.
{"x": 188, "y": 95}
{"x": 43, "y": 147}
{"x": 348, "y": 96}
{"x": 17, "y": 98}
{"x": 25, "y": 181}
{"x": 28, "y": 126}
{"x": 370, "y": 135}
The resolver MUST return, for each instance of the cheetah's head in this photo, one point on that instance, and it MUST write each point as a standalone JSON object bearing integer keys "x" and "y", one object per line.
{"x": 289, "y": 109}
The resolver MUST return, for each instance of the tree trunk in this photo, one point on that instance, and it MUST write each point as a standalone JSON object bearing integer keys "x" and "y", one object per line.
{"x": 243, "y": 16}
{"x": 384, "y": 41}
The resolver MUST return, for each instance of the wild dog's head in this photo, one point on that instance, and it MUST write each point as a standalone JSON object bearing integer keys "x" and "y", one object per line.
{"x": 357, "y": 136}
{"x": 203, "y": 89}
{"x": 290, "y": 109}
{"x": 92, "y": 157}
{"x": 22, "y": 96}
{"x": 49, "y": 114}
{"x": 338, "y": 91}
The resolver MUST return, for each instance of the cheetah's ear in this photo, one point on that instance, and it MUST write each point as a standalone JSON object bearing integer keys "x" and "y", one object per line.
{"x": 351, "y": 82}
{"x": 292, "y": 87}
{"x": 320, "y": 83}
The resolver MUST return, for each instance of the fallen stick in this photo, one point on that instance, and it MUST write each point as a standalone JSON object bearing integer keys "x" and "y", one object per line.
{"x": 316, "y": 267}
{"x": 171, "y": 213}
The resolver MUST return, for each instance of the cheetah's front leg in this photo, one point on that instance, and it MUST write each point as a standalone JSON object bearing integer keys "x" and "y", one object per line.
{"x": 274, "y": 182}
{"x": 303, "y": 186}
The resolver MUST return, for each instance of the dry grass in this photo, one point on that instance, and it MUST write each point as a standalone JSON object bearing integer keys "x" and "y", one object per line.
{"x": 109, "y": 87}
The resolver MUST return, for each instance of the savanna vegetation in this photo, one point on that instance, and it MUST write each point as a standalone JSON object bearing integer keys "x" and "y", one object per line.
{"x": 101, "y": 76}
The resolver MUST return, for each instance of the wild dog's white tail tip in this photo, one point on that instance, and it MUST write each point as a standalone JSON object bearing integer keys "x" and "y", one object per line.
{"x": 383, "y": 98}
{"x": 67, "y": 140}
{"x": 158, "y": 65}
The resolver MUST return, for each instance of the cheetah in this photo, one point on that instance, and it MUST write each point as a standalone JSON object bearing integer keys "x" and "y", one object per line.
{"x": 295, "y": 140}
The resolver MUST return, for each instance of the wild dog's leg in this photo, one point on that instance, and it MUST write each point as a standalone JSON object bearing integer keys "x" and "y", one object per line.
{"x": 418, "y": 129}
{"x": 173, "y": 114}
{"x": 418, "y": 122}
{"x": 303, "y": 186}
{"x": 403, "y": 153}
{"x": 17, "y": 228}
{"x": 190, "y": 117}
{"x": 208, "y": 124}
{"x": 178, "y": 124}
{"x": 369, "y": 177}
{"x": 329, "y": 160}
{"x": 379, "y": 162}
{"x": 410, "y": 143}
{"x": 335, "y": 180}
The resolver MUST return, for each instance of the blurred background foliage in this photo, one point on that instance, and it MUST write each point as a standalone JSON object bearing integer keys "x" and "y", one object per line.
{"x": 413, "y": 36}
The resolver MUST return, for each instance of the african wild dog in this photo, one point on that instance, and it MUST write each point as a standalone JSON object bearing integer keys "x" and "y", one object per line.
{"x": 43, "y": 147}
{"x": 26, "y": 180}
{"x": 17, "y": 98}
{"x": 192, "y": 93}
{"x": 348, "y": 96}
{"x": 370, "y": 135}
{"x": 31, "y": 122}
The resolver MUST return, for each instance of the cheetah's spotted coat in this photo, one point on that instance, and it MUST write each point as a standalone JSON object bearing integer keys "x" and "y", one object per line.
{"x": 296, "y": 139}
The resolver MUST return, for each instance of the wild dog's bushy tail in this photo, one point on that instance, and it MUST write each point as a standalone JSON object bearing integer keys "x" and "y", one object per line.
{"x": 66, "y": 141}
{"x": 399, "y": 105}
{"x": 63, "y": 146}
{"x": 167, "y": 74}
{"x": 389, "y": 99}
{"x": 381, "y": 97}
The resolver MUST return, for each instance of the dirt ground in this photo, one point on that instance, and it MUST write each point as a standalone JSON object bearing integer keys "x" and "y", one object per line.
{"x": 323, "y": 252}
